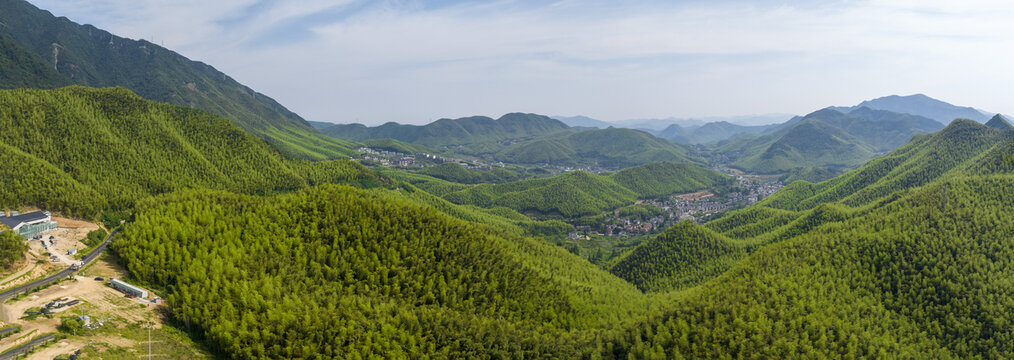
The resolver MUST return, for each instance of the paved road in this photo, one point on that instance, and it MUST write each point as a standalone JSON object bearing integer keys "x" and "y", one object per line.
{"x": 60, "y": 275}
{"x": 9, "y": 330}
{"x": 17, "y": 351}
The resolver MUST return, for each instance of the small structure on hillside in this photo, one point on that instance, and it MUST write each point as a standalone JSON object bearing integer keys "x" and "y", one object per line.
{"x": 128, "y": 289}
{"x": 30, "y": 224}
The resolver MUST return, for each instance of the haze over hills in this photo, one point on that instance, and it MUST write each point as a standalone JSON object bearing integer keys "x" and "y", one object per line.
{"x": 477, "y": 133}
{"x": 584, "y": 121}
{"x": 88, "y": 56}
{"x": 921, "y": 105}
{"x": 526, "y": 139}
{"x": 715, "y": 131}
{"x": 909, "y": 253}
{"x": 829, "y": 138}
{"x": 612, "y": 148}
{"x": 654, "y": 125}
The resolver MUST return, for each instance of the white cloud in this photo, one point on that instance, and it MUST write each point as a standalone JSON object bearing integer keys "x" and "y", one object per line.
{"x": 398, "y": 61}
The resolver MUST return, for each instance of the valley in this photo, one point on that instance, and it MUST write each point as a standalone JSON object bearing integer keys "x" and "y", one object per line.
{"x": 152, "y": 206}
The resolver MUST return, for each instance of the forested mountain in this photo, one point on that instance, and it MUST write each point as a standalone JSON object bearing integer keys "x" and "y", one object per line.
{"x": 612, "y": 148}
{"x": 998, "y": 122}
{"x": 336, "y": 272}
{"x": 907, "y": 256}
{"x": 459, "y": 174}
{"x": 584, "y": 121}
{"x": 921, "y": 105}
{"x": 909, "y": 278}
{"x": 667, "y": 178}
{"x": 683, "y": 256}
{"x": 320, "y": 125}
{"x": 570, "y": 195}
{"x": 909, "y": 261}
{"x": 828, "y": 138}
{"x": 78, "y": 151}
{"x": 580, "y": 193}
{"x": 713, "y": 132}
{"x": 22, "y": 68}
{"x": 526, "y": 139}
{"x": 477, "y": 134}
{"x": 927, "y": 158}
{"x": 85, "y": 55}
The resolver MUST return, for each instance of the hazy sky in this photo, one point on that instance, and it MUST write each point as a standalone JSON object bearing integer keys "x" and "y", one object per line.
{"x": 416, "y": 61}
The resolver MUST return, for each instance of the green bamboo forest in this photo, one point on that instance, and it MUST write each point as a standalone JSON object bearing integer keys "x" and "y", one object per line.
{"x": 851, "y": 232}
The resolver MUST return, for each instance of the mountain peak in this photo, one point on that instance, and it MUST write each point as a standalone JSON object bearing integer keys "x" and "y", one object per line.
{"x": 925, "y": 106}
{"x": 999, "y": 122}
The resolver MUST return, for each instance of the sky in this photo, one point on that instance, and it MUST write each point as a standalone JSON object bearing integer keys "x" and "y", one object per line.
{"x": 375, "y": 61}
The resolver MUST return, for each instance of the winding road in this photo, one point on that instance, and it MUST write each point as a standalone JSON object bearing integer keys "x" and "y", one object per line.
{"x": 4, "y": 296}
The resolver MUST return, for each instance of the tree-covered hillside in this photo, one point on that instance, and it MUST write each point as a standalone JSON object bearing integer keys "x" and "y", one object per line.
{"x": 23, "y": 69}
{"x": 337, "y": 272}
{"x": 714, "y": 132}
{"x": 78, "y": 150}
{"x": 912, "y": 278}
{"x": 998, "y": 122}
{"x": 929, "y": 157}
{"x": 667, "y": 178}
{"x": 85, "y": 55}
{"x": 459, "y": 174}
{"x": 683, "y": 256}
{"x": 471, "y": 135}
{"x": 908, "y": 256}
{"x": 581, "y": 193}
{"x": 570, "y": 195}
{"x": 903, "y": 257}
{"x": 611, "y": 148}
{"x": 827, "y": 138}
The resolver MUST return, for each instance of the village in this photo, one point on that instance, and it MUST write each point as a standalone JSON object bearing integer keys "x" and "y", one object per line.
{"x": 698, "y": 206}
{"x": 388, "y": 158}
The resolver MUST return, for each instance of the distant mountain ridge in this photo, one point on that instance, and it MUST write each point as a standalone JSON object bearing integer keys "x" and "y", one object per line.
{"x": 656, "y": 125}
{"x": 829, "y": 137}
{"x": 921, "y": 105}
{"x": 714, "y": 131}
{"x": 613, "y": 148}
{"x": 88, "y": 56}
{"x": 584, "y": 121}
{"x": 526, "y": 139}
{"x": 447, "y": 132}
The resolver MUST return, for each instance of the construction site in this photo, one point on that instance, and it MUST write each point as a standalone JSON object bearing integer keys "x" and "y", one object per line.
{"x": 63, "y": 304}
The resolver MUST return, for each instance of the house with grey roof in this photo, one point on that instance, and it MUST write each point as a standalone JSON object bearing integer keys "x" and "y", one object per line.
{"x": 30, "y": 224}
